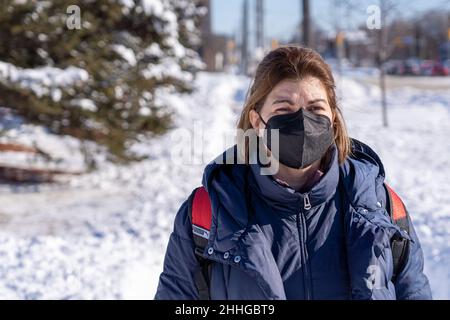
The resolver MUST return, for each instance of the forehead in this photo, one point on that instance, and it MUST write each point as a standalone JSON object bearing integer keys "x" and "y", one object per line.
{"x": 309, "y": 87}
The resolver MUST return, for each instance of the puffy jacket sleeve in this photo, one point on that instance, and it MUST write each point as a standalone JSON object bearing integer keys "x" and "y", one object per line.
{"x": 412, "y": 283}
{"x": 176, "y": 282}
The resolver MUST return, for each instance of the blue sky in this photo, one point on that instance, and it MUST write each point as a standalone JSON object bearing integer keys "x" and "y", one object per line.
{"x": 282, "y": 16}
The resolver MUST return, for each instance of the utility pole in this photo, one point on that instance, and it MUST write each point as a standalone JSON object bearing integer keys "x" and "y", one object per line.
{"x": 382, "y": 56}
{"x": 339, "y": 43}
{"x": 418, "y": 39}
{"x": 244, "y": 44}
{"x": 339, "y": 40}
{"x": 306, "y": 23}
{"x": 260, "y": 24}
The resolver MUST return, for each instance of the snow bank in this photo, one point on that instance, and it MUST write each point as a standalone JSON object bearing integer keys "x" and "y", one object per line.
{"x": 104, "y": 235}
{"x": 64, "y": 151}
{"x": 415, "y": 151}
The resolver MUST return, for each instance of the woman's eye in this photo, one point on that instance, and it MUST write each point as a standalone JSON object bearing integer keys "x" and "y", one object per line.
{"x": 315, "y": 108}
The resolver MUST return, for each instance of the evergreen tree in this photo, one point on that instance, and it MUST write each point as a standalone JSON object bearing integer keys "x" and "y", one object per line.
{"x": 124, "y": 52}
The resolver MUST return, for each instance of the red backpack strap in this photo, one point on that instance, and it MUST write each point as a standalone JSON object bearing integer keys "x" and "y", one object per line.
{"x": 200, "y": 215}
{"x": 400, "y": 216}
{"x": 398, "y": 209}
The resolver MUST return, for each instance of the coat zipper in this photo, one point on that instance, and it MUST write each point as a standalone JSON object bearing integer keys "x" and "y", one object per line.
{"x": 303, "y": 247}
{"x": 306, "y": 203}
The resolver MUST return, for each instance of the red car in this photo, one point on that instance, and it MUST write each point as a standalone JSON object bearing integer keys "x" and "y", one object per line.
{"x": 440, "y": 70}
{"x": 434, "y": 68}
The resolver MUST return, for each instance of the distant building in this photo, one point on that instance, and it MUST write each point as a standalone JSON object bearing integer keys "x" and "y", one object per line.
{"x": 216, "y": 51}
{"x": 356, "y": 46}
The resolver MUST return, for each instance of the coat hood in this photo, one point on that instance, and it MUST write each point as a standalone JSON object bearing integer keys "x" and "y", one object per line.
{"x": 228, "y": 182}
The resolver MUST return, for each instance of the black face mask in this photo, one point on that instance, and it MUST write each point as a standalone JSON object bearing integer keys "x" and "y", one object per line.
{"x": 304, "y": 137}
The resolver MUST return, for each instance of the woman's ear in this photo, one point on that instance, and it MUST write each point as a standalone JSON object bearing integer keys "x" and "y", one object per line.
{"x": 255, "y": 120}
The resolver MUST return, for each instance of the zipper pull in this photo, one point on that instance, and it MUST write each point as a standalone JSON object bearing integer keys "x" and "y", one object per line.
{"x": 307, "y": 204}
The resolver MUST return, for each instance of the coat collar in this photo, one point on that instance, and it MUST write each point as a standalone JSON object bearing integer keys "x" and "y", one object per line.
{"x": 228, "y": 186}
{"x": 288, "y": 202}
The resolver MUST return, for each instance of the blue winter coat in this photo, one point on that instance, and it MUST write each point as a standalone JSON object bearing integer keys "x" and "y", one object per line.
{"x": 267, "y": 245}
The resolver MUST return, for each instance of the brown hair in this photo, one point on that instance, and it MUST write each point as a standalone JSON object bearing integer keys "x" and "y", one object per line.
{"x": 293, "y": 62}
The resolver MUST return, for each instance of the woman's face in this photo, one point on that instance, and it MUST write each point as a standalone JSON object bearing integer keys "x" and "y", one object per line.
{"x": 289, "y": 96}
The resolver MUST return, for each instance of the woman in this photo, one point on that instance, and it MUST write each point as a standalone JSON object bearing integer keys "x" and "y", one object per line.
{"x": 318, "y": 227}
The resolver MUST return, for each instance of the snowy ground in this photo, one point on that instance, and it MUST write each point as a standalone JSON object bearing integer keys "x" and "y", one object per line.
{"x": 415, "y": 150}
{"x": 103, "y": 235}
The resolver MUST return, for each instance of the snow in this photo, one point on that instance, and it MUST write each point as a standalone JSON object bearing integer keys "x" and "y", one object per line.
{"x": 166, "y": 68}
{"x": 154, "y": 50}
{"x": 104, "y": 234}
{"x": 154, "y": 7}
{"x": 118, "y": 217}
{"x": 64, "y": 151}
{"x": 416, "y": 153}
{"x": 85, "y": 104}
{"x": 127, "y": 3}
{"x": 126, "y": 53}
{"x": 171, "y": 53}
{"x": 42, "y": 81}
{"x": 145, "y": 111}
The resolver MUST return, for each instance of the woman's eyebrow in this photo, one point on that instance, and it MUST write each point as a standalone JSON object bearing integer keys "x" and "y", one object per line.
{"x": 283, "y": 99}
{"x": 316, "y": 100}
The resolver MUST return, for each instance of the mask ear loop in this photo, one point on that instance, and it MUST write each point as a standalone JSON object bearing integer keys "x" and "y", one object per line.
{"x": 265, "y": 123}
{"x": 260, "y": 141}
